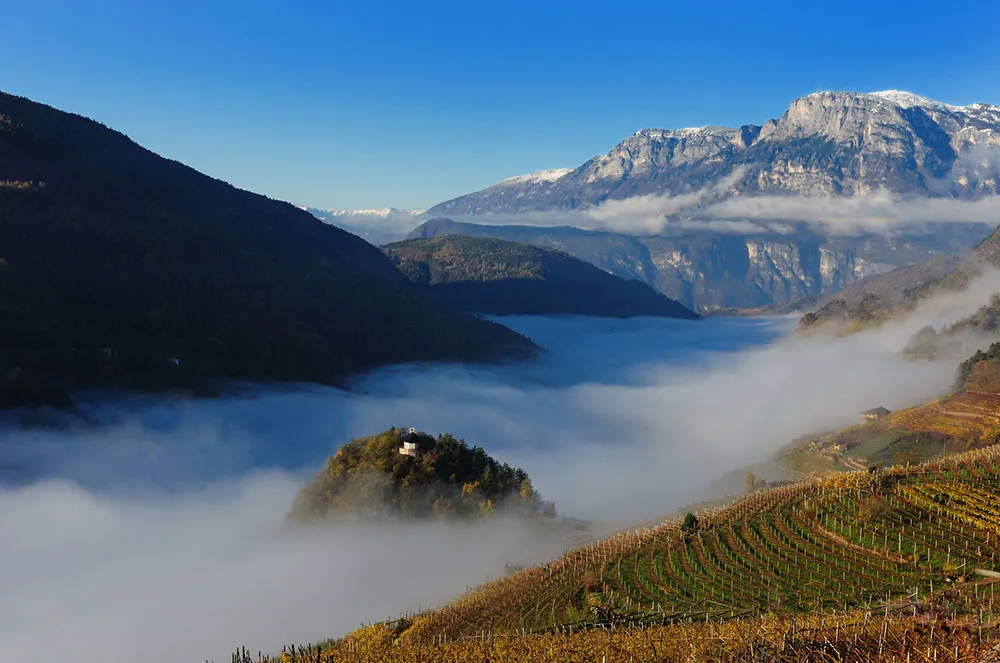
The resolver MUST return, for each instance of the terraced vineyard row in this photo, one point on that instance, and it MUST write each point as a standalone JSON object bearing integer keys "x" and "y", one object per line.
{"x": 861, "y": 539}
{"x": 964, "y": 415}
{"x": 846, "y": 638}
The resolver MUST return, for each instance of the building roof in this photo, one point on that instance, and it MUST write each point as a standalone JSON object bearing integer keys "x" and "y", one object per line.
{"x": 877, "y": 410}
{"x": 411, "y": 438}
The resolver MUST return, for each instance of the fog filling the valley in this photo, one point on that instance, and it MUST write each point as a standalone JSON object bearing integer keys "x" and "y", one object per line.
{"x": 154, "y": 530}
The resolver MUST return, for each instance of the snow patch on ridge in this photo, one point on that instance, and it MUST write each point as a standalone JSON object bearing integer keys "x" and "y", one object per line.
{"x": 905, "y": 99}
{"x": 382, "y": 213}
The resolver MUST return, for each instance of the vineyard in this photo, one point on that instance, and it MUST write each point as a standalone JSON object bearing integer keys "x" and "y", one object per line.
{"x": 854, "y": 540}
{"x": 850, "y": 638}
{"x": 967, "y": 415}
{"x": 900, "y": 542}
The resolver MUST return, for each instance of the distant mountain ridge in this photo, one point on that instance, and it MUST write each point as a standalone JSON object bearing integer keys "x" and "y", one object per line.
{"x": 826, "y": 143}
{"x": 377, "y": 226}
{"x": 485, "y": 275}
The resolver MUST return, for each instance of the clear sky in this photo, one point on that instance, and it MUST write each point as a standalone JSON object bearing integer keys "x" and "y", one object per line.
{"x": 366, "y": 103}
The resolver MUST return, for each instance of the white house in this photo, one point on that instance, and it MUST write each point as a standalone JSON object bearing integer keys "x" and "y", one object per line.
{"x": 409, "y": 447}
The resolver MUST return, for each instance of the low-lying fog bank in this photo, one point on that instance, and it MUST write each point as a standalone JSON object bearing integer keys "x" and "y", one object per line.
{"x": 158, "y": 533}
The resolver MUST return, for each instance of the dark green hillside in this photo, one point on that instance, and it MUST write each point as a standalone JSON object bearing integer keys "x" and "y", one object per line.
{"x": 444, "y": 477}
{"x": 115, "y": 260}
{"x": 495, "y": 276}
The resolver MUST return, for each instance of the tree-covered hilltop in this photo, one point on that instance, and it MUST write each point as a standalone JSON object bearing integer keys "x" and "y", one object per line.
{"x": 120, "y": 267}
{"x": 486, "y": 275}
{"x": 369, "y": 478}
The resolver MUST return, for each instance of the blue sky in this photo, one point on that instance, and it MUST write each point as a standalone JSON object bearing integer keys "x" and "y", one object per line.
{"x": 370, "y": 104}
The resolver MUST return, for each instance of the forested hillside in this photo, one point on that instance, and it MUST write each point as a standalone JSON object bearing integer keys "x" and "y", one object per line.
{"x": 443, "y": 477}
{"x": 119, "y": 267}
{"x": 488, "y": 275}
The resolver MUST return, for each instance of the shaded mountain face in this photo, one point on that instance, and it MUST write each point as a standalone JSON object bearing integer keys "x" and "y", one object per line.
{"x": 878, "y": 298}
{"x": 707, "y": 271}
{"x": 891, "y": 290}
{"x": 500, "y": 277}
{"x": 119, "y": 266}
{"x": 827, "y": 143}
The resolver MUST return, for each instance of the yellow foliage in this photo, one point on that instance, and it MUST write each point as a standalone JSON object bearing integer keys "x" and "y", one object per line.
{"x": 849, "y": 638}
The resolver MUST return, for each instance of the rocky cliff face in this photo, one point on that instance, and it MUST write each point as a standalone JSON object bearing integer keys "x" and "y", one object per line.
{"x": 708, "y": 271}
{"x": 827, "y": 143}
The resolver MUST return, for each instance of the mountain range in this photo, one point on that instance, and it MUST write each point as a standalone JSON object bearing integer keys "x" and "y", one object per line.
{"x": 825, "y": 144}
{"x": 842, "y": 186}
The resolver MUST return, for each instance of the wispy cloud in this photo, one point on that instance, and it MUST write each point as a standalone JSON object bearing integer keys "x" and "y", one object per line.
{"x": 649, "y": 213}
{"x": 716, "y": 208}
{"x": 878, "y": 211}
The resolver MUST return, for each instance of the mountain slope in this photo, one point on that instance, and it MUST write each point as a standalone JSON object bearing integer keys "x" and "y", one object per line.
{"x": 878, "y": 298}
{"x": 862, "y": 301}
{"x": 503, "y": 278}
{"x": 119, "y": 265}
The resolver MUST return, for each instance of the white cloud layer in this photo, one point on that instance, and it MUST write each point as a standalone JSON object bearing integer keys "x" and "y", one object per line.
{"x": 880, "y": 212}
{"x": 189, "y": 577}
{"x": 158, "y": 535}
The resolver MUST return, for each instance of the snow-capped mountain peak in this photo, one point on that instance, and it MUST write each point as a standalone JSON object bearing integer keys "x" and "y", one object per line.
{"x": 378, "y": 226}
{"x": 906, "y": 99}
{"x": 871, "y": 141}
{"x": 382, "y": 213}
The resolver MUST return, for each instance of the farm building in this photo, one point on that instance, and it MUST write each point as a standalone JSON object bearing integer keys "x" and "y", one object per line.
{"x": 874, "y": 414}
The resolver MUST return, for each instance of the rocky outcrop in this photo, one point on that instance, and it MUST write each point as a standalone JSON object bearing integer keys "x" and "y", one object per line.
{"x": 826, "y": 143}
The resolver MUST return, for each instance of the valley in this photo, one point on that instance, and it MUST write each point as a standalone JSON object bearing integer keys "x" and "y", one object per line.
{"x": 727, "y": 392}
